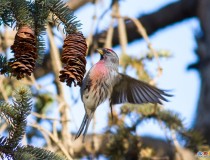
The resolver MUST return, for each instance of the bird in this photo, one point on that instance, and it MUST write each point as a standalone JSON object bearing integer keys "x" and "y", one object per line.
{"x": 103, "y": 81}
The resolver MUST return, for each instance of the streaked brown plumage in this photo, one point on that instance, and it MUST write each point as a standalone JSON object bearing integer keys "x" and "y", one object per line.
{"x": 103, "y": 81}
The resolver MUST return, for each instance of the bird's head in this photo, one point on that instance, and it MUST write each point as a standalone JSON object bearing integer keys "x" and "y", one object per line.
{"x": 108, "y": 55}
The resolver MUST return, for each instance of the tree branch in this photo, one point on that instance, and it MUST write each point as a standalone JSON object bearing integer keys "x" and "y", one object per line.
{"x": 201, "y": 122}
{"x": 161, "y": 147}
{"x": 76, "y": 4}
{"x": 170, "y": 14}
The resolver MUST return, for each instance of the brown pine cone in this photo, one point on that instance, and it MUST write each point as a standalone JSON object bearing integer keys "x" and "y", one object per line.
{"x": 25, "y": 53}
{"x": 73, "y": 56}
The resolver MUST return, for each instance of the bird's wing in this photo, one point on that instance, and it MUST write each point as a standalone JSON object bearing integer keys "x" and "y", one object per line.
{"x": 86, "y": 84}
{"x": 134, "y": 91}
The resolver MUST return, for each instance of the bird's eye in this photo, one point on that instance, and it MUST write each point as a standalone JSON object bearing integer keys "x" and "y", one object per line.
{"x": 109, "y": 53}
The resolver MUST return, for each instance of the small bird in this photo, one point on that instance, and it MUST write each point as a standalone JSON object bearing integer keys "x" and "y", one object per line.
{"x": 103, "y": 81}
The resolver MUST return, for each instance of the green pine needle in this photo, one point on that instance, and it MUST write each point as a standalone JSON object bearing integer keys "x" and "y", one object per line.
{"x": 22, "y": 13}
{"x": 7, "y": 112}
{"x": 193, "y": 139}
{"x": 22, "y": 106}
{"x": 34, "y": 153}
{"x": 4, "y": 67}
{"x": 171, "y": 119}
{"x": 6, "y": 16}
{"x": 63, "y": 15}
{"x": 16, "y": 115}
{"x": 40, "y": 13}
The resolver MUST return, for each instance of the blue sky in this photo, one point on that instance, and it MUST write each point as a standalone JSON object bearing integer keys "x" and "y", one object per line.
{"x": 178, "y": 39}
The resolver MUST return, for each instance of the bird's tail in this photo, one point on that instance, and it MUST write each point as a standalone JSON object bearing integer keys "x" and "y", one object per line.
{"x": 85, "y": 124}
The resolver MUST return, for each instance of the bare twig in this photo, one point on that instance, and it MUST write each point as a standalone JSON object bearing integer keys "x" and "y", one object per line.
{"x": 121, "y": 29}
{"x": 160, "y": 158}
{"x": 55, "y": 133}
{"x": 55, "y": 139}
{"x": 2, "y": 90}
{"x": 165, "y": 16}
{"x": 89, "y": 39}
{"x": 56, "y": 64}
{"x": 42, "y": 116}
{"x": 48, "y": 141}
{"x": 143, "y": 33}
{"x": 34, "y": 82}
{"x": 76, "y": 4}
{"x": 3, "y": 127}
{"x": 108, "y": 41}
{"x": 176, "y": 145}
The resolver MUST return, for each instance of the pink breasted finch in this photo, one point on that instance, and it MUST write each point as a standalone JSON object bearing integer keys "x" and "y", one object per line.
{"x": 103, "y": 81}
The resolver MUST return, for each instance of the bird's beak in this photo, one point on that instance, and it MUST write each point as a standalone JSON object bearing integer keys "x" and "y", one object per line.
{"x": 100, "y": 51}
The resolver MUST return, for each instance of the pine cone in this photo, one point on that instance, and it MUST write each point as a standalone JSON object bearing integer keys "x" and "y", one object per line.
{"x": 25, "y": 53}
{"x": 73, "y": 56}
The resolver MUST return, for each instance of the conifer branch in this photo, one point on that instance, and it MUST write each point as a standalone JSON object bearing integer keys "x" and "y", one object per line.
{"x": 4, "y": 67}
{"x": 171, "y": 119}
{"x": 34, "y": 153}
{"x": 22, "y": 107}
{"x": 62, "y": 14}
{"x": 16, "y": 115}
{"x": 40, "y": 14}
{"x": 7, "y": 112}
{"x": 6, "y": 15}
{"x": 193, "y": 139}
{"x": 21, "y": 13}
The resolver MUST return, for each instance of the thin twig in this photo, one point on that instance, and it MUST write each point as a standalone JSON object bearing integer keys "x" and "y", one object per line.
{"x": 33, "y": 80}
{"x": 42, "y": 116}
{"x": 56, "y": 64}
{"x": 108, "y": 41}
{"x": 164, "y": 130}
{"x": 55, "y": 133}
{"x": 55, "y": 58}
{"x": 145, "y": 36}
{"x": 3, "y": 127}
{"x": 176, "y": 144}
{"x": 89, "y": 39}
{"x": 121, "y": 29}
{"x": 3, "y": 91}
{"x": 160, "y": 158}
{"x": 48, "y": 141}
{"x": 24, "y": 140}
{"x": 56, "y": 140}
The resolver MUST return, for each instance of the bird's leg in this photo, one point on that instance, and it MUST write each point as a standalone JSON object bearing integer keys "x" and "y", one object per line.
{"x": 110, "y": 105}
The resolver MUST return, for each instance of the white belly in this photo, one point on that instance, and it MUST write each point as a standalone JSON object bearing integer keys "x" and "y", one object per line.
{"x": 100, "y": 90}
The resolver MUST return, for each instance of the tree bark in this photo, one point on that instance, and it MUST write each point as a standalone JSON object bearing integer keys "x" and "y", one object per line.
{"x": 202, "y": 120}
